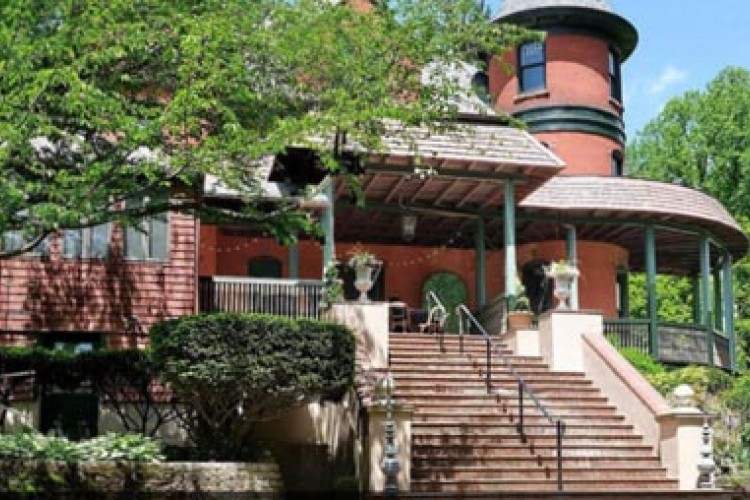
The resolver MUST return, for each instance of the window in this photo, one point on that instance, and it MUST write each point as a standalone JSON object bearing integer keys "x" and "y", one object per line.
{"x": 14, "y": 240}
{"x": 531, "y": 67}
{"x": 618, "y": 164}
{"x": 264, "y": 267}
{"x": 150, "y": 239}
{"x": 87, "y": 243}
{"x": 615, "y": 77}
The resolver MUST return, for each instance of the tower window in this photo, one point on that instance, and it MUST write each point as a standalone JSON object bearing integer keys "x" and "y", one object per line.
{"x": 531, "y": 67}
{"x": 618, "y": 164}
{"x": 615, "y": 77}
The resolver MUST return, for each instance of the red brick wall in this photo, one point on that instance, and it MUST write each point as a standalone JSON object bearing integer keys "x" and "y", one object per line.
{"x": 598, "y": 263}
{"x": 58, "y": 294}
{"x": 583, "y": 153}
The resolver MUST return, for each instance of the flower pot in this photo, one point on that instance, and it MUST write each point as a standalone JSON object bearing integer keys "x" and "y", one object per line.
{"x": 519, "y": 320}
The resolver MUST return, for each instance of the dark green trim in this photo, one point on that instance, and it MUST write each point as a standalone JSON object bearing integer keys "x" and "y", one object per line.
{"x": 706, "y": 316}
{"x": 574, "y": 119}
{"x": 481, "y": 267}
{"x": 614, "y": 28}
{"x": 729, "y": 308}
{"x": 651, "y": 298}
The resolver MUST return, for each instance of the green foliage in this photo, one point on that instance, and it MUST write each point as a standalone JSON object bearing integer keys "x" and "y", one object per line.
{"x": 208, "y": 87}
{"x": 642, "y": 362}
{"x": 675, "y": 296}
{"x": 235, "y": 370}
{"x": 30, "y": 445}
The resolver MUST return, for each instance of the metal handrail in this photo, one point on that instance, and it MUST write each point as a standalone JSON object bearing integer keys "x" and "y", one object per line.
{"x": 431, "y": 297}
{"x": 463, "y": 313}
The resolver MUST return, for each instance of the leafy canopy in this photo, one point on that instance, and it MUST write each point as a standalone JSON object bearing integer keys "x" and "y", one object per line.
{"x": 105, "y": 100}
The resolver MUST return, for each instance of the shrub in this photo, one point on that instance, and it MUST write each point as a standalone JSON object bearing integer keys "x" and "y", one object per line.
{"x": 642, "y": 362}
{"x": 31, "y": 445}
{"x": 235, "y": 370}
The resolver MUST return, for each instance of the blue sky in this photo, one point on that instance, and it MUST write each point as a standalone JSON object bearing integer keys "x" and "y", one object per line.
{"x": 683, "y": 45}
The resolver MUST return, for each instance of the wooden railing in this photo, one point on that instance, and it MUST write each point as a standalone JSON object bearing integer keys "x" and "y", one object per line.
{"x": 292, "y": 298}
{"x": 678, "y": 343}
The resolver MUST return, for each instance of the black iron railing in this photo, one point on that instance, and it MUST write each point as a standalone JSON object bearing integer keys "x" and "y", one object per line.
{"x": 467, "y": 322}
{"x": 293, "y": 298}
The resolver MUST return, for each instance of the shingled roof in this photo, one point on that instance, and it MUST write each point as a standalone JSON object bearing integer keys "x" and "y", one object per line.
{"x": 652, "y": 201}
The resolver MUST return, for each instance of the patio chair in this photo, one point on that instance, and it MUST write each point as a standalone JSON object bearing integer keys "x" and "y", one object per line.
{"x": 398, "y": 317}
{"x": 435, "y": 320}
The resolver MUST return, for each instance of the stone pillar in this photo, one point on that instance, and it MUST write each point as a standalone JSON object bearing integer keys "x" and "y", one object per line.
{"x": 369, "y": 322}
{"x": 374, "y": 479}
{"x": 560, "y": 337}
{"x": 680, "y": 443}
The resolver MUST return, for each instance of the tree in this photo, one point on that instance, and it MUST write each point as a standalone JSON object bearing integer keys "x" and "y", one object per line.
{"x": 702, "y": 140}
{"x": 103, "y": 101}
{"x": 232, "y": 371}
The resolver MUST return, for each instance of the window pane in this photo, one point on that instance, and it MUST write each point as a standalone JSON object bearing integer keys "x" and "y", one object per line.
{"x": 72, "y": 243}
{"x": 532, "y": 79}
{"x": 159, "y": 237}
{"x": 532, "y": 53}
{"x": 12, "y": 240}
{"x": 99, "y": 244}
{"x": 134, "y": 247}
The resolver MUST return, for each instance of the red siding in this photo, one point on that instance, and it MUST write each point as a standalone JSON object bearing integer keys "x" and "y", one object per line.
{"x": 58, "y": 294}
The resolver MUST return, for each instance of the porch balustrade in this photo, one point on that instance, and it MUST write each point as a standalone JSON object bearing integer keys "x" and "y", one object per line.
{"x": 283, "y": 297}
{"x": 678, "y": 343}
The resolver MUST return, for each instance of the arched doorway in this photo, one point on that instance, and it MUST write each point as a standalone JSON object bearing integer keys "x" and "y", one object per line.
{"x": 451, "y": 291}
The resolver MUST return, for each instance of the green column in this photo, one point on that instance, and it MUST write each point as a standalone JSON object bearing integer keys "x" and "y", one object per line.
{"x": 327, "y": 220}
{"x": 510, "y": 238}
{"x": 729, "y": 308}
{"x": 652, "y": 299}
{"x": 718, "y": 303}
{"x": 706, "y": 319}
{"x": 623, "y": 283}
{"x": 480, "y": 275}
{"x": 571, "y": 255}
{"x": 293, "y": 257}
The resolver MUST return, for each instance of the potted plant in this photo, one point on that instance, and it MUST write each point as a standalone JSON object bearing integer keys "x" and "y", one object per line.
{"x": 366, "y": 269}
{"x": 520, "y": 316}
{"x": 563, "y": 273}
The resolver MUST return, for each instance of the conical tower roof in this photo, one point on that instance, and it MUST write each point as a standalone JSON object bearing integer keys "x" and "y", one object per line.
{"x": 596, "y": 16}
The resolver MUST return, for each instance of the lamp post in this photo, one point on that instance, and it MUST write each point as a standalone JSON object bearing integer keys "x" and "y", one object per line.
{"x": 391, "y": 465}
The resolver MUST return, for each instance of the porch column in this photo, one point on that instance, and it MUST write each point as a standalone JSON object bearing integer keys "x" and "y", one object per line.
{"x": 293, "y": 259}
{"x": 653, "y": 309}
{"x": 718, "y": 302}
{"x": 327, "y": 219}
{"x": 623, "y": 282}
{"x": 571, "y": 255}
{"x": 729, "y": 307}
{"x": 509, "y": 226}
{"x": 706, "y": 319}
{"x": 480, "y": 274}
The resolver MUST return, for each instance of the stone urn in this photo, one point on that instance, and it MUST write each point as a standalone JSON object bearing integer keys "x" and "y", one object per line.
{"x": 563, "y": 274}
{"x": 366, "y": 270}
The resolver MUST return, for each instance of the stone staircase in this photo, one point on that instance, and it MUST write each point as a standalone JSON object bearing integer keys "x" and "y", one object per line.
{"x": 466, "y": 441}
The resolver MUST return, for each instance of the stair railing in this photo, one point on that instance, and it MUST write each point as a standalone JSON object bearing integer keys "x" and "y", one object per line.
{"x": 467, "y": 322}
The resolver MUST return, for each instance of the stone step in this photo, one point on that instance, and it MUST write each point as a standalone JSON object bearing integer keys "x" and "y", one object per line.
{"x": 522, "y": 462}
{"x": 499, "y": 376}
{"x": 430, "y": 365}
{"x": 497, "y": 443}
{"x": 507, "y": 486}
{"x": 532, "y": 429}
{"x": 471, "y": 449}
{"x": 509, "y": 399}
{"x": 535, "y": 472}
{"x": 458, "y": 391}
{"x": 448, "y": 419}
{"x": 564, "y": 412}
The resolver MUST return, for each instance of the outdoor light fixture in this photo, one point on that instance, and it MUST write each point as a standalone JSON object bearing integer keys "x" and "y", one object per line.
{"x": 408, "y": 226}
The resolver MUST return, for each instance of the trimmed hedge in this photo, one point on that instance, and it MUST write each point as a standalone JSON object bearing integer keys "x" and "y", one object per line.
{"x": 234, "y": 370}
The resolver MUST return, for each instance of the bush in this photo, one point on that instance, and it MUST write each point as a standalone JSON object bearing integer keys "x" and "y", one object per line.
{"x": 30, "y": 445}
{"x": 642, "y": 362}
{"x": 235, "y": 370}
